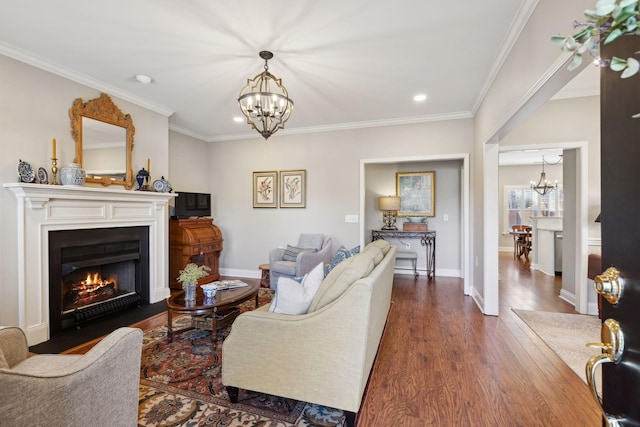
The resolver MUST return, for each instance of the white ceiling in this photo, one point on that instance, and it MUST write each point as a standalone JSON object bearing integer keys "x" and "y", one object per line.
{"x": 346, "y": 64}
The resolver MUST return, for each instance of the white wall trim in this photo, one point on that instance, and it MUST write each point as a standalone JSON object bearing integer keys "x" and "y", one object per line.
{"x": 59, "y": 70}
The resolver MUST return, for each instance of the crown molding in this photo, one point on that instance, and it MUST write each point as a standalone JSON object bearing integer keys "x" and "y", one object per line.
{"x": 59, "y": 70}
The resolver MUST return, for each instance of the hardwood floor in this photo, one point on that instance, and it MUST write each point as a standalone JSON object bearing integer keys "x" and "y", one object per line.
{"x": 443, "y": 363}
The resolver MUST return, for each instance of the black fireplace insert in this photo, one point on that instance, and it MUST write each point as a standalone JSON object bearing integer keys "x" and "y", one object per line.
{"x": 96, "y": 272}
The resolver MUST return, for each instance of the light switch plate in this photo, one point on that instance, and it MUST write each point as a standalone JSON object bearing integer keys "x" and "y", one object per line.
{"x": 351, "y": 218}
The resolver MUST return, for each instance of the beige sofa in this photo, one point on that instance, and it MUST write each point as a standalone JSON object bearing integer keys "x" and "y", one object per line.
{"x": 324, "y": 356}
{"x": 99, "y": 388}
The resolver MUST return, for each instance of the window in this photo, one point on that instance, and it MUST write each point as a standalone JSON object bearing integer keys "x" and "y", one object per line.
{"x": 521, "y": 204}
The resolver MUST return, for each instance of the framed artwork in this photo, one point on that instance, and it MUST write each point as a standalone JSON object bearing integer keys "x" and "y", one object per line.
{"x": 417, "y": 192}
{"x": 293, "y": 188}
{"x": 265, "y": 189}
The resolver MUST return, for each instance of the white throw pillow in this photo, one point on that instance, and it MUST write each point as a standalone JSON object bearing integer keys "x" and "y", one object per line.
{"x": 295, "y": 298}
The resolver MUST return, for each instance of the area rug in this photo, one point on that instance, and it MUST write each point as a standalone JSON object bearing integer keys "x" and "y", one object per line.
{"x": 566, "y": 334}
{"x": 181, "y": 385}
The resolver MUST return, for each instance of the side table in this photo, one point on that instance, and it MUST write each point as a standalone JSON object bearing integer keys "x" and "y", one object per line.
{"x": 266, "y": 275}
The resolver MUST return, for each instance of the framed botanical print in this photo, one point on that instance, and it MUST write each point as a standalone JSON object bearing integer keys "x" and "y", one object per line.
{"x": 417, "y": 192}
{"x": 265, "y": 189}
{"x": 293, "y": 191}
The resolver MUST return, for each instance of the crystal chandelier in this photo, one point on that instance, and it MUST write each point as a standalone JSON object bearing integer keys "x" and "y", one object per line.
{"x": 264, "y": 101}
{"x": 544, "y": 186}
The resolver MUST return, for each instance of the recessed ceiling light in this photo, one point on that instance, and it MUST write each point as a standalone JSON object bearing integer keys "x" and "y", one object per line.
{"x": 145, "y": 80}
{"x": 238, "y": 119}
{"x": 420, "y": 97}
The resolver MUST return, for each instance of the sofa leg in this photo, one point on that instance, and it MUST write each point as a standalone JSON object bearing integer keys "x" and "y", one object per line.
{"x": 350, "y": 418}
{"x": 233, "y": 394}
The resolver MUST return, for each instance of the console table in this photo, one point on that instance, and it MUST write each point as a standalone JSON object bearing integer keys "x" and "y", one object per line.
{"x": 427, "y": 239}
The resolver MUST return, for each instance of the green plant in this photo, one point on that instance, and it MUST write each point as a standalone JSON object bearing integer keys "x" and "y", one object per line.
{"x": 192, "y": 272}
{"x": 610, "y": 20}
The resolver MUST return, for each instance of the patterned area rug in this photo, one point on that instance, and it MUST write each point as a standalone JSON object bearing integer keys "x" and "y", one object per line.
{"x": 181, "y": 385}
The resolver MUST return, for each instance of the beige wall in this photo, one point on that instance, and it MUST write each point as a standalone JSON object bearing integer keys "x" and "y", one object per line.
{"x": 332, "y": 161}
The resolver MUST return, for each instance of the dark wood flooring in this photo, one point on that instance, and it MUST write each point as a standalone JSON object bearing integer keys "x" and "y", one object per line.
{"x": 442, "y": 362}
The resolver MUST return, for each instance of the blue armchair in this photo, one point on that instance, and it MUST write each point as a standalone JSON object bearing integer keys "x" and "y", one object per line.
{"x": 296, "y": 261}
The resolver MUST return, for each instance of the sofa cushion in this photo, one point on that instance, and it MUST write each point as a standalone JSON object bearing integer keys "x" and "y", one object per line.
{"x": 291, "y": 253}
{"x": 3, "y": 362}
{"x": 381, "y": 244}
{"x": 293, "y": 297}
{"x": 284, "y": 267}
{"x": 341, "y": 277}
{"x": 341, "y": 254}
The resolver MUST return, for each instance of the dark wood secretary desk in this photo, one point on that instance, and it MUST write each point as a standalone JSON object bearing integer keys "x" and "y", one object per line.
{"x": 195, "y": 240}
{"x": 427, "y": 239}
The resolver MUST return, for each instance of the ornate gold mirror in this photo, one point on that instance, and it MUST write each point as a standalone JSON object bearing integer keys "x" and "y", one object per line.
{"x": 104, "y": 141}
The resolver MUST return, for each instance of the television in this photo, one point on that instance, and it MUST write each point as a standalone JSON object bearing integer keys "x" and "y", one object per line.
{"x": 189, "y": 205}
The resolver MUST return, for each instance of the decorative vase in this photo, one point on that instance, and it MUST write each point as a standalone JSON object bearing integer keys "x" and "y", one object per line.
{"x": 190, "y": 292}
{"x": 142, "y": 178}
{"x": 72, "y": 174}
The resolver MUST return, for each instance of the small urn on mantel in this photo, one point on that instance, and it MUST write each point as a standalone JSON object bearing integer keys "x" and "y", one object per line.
{"x": 143, "y": 179}
{"x": 72, "y": 174}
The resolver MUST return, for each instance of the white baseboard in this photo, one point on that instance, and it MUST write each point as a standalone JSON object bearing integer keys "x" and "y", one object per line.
{"x": 568, "y": 297}
{"x": 440, "y": 272}
{"x": 233, "y": 272}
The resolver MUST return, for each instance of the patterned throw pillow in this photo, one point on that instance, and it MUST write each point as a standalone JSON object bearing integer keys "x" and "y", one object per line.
{"x": 341, "y": 254}
{"x": 291, "y": 253}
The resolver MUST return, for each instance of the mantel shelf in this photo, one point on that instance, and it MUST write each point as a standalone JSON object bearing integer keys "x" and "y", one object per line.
{"x": 40, "y": 194}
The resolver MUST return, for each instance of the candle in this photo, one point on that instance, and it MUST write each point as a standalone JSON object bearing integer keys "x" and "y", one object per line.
{"x": 148, "y": 166}
{"x": 54, "y": 148}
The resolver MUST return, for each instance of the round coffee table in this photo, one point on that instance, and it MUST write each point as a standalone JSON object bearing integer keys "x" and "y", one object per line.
{"x": 225, "y": 299}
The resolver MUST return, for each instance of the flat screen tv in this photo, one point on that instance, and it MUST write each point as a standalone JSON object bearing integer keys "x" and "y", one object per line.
{"x": 188, "y": 205}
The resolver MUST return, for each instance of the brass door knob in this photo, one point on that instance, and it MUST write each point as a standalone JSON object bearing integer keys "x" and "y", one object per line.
{"x": 612, "y": 346}
{"x": 609, "y": 284}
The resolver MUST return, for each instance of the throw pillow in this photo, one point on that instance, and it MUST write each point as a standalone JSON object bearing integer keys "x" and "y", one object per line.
{"x": 291, "y": 253}
{"x": 292, "y": 297}
{"x": 341, "y": 254}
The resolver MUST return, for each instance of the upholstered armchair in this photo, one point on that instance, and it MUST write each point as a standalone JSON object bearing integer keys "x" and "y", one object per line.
{"x": 296, "y": 261}
{"x": 99, "y": 388}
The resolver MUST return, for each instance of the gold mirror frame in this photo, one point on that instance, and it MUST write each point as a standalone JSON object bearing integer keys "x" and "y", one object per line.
{"x": 103, "y": 109}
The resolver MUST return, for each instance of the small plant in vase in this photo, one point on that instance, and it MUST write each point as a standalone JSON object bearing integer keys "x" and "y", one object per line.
{"x": 190, "y": 276}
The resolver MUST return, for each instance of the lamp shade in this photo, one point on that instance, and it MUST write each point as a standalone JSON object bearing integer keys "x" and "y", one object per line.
{"x": 389, "y": 203}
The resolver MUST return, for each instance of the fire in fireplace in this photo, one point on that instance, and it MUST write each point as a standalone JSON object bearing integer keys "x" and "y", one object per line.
{"x": 96, "y": 272}
{"x": 93, "y": 289}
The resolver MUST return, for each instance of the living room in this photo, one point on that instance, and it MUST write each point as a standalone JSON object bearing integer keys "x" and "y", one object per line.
{"x": 35, "y": 109}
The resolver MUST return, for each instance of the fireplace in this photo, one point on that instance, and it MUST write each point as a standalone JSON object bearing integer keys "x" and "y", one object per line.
{"x": 96, "y": 272}
{"x": 42, "y": 209}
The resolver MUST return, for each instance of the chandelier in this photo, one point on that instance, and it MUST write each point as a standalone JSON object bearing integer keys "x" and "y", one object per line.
{"x": 544, "y": 186}
{"x": 264, "y": 101}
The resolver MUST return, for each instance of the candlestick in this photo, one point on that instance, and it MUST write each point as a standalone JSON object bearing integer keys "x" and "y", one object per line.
{"x": 54, "y": 148}
{"x": 54, "y": 170}
{"x": 149, "y": 166}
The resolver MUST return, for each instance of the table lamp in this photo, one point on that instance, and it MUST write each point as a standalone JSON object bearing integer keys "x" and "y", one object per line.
{"x": 389, "y": 206}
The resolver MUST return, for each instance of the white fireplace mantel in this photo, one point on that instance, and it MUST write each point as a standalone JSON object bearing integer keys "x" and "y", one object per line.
{"x": 44, "y": 208}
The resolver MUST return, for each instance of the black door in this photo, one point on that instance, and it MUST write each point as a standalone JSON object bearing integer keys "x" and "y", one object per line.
{"x": 620, "y": 167}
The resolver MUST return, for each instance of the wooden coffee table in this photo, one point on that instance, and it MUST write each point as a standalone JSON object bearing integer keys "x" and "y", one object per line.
{"x": 225, "y": 299}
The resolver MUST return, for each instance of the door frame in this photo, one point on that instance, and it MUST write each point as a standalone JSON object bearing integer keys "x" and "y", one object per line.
{"x": 554, "y": 79}
{"x": 574, "y": 255}
{"x": 465, "y": 244}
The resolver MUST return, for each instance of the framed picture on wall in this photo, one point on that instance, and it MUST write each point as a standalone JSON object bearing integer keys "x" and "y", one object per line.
{"x": 293, "y": 188}
{"x": 417, "y": 192}
{"x": 265, "y": 189}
